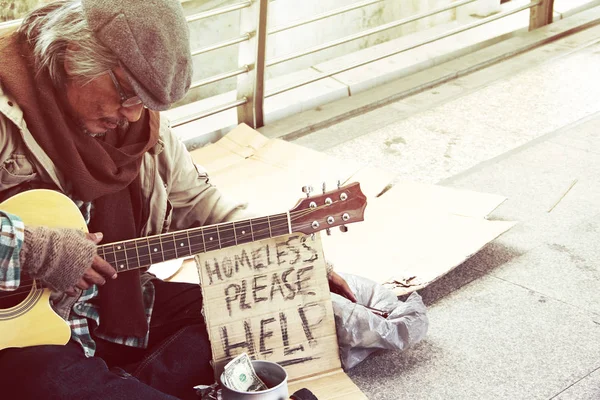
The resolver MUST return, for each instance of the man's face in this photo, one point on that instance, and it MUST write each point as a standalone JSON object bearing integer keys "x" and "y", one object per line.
{"x": 97, "y": 104}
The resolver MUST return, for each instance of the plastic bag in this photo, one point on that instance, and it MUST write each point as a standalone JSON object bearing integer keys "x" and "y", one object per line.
{"x": 362, "y": 331}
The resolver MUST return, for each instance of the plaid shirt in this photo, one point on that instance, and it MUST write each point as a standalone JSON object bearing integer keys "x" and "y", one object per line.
{"x": 12, "y": 230}
{"x": 84, "y": 317}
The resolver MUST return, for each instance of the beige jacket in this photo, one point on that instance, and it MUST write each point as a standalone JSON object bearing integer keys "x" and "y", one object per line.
{"x": 176, "y": 192}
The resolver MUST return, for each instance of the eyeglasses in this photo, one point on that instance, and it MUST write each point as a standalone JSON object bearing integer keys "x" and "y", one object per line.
{"x": 125, "y": 101}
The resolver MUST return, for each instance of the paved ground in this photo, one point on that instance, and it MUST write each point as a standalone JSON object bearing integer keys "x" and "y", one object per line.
{"x": 520, "y": 319}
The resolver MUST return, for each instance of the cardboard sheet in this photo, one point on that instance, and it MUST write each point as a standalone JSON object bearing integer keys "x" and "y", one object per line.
{"x": 270, "y": 174}
{"x": 413, "y": 233}
{"x": 335, "y": 385}
{"x": 405, "y": 246}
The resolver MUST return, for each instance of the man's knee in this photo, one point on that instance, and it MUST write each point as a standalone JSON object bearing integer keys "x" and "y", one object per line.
{"x": 45, "y": 369}
{"x": 42, "y": 357}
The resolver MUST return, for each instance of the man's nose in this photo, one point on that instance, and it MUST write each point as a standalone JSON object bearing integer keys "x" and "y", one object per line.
{"x": 132, "y": 113}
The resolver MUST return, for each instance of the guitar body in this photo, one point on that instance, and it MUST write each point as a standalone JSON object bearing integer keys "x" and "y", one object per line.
{"x": 32, "y": 321}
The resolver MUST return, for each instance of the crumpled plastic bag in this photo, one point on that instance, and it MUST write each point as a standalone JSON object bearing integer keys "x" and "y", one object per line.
{"x": 361, "y": 331}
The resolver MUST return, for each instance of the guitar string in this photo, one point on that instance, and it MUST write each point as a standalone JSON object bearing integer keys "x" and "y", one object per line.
{"x": 296, "y": 214}
{"x": 187, "y": 250}
{"x": 276, "y": 225}
{"x": 201, "y": 232}
{"x": 25, "y": 283}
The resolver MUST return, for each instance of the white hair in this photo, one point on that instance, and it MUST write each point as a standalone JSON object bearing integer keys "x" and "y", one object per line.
{"x": 52, "y": 28}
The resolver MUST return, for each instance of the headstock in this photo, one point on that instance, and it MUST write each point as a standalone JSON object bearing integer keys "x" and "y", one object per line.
{"x": 338, "y": 207}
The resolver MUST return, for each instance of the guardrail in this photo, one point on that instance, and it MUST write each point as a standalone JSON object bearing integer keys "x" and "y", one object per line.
{"x": 250, "y": 91}
{"x": 252, "y": 49}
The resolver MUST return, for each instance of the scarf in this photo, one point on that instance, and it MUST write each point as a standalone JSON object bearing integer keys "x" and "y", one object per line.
{"x": 105, "y": 172}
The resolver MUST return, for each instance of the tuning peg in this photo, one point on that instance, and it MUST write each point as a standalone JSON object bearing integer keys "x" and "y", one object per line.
{"x": 343, "y": 228}
{"x": 339, "y": 183}
{"x": 324, "y": 187}
{"x": 328, "y": 231}
{"x": 307, "y": 189}
{"x": 312, "y": 237}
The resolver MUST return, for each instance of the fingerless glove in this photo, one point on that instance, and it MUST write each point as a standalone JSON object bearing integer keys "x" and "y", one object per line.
{"x": 56, "y": 257}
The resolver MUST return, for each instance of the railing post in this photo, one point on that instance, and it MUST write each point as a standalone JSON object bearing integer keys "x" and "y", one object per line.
{"x": 541, "y": 14}
{"x": 252, "y": 53}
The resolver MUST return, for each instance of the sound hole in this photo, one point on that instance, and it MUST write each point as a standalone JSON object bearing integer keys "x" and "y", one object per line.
{"x": 13, "y": 298}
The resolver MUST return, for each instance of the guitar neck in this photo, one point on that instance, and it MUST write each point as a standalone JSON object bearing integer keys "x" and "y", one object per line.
{"x": 312, "y": 214}
{"x": 137, "y": 253}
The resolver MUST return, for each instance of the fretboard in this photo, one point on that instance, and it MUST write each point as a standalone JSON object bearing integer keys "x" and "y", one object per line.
{"x": 137, "y": 253}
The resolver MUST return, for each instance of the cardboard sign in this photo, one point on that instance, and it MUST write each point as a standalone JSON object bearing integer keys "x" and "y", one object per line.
{"x": 270, "y": 299}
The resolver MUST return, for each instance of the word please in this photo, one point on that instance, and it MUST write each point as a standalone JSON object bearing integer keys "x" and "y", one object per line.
{"x": 284, "y": 285}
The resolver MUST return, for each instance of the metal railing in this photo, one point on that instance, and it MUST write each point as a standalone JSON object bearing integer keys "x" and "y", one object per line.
{"x": 218, "y": 11}
{"x": 368, "y": 32}
{"x": 402, "y": 50}
{"x": 252, "y": 49}
{"x": 250, "y": 89}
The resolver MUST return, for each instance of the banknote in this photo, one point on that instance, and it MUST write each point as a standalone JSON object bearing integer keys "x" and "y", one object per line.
{"x": 239, "y": 375}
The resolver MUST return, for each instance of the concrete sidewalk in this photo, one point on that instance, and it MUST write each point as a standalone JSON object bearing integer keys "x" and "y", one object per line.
{"x": 520, "y": 319}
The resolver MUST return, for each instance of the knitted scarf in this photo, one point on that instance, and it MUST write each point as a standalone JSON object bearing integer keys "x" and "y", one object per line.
{"x": 105, "y": 172}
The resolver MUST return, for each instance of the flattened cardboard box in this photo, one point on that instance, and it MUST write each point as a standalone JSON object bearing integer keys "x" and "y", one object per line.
{"x": 412, "y": 235}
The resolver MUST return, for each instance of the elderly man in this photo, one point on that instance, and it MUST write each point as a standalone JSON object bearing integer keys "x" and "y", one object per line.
{"x": 81, "y": 84}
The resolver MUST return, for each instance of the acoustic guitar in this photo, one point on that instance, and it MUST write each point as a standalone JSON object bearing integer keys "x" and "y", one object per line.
{"x": 26, "y": 317}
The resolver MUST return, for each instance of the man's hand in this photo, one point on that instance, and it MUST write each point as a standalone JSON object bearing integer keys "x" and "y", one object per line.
{"x": 338, "y": 285}
{"x": 97, "y": 273}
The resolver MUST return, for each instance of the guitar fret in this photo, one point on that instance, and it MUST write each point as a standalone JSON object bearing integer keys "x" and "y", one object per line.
{"x": 156, "y": 254}
{"x": 219, "y": 237}
{"x": 182, "y": 245}
{"x": 210, "y": 238}
{"x": 109, "y": 256}
{"x": 131, "y": 254}
{"x": 187, "y": 234}
{"x": 120, "y": 257}
{"x": 196, "y": 241}
{"x": 162, "y": 252}
{"x": 143, "y": 248}
{"x": 175, "y": 246}
{"x": 243, "y": 232}
{"x": 234, "y": 233}
{"x": 227, "y": 235}
{"x": 168, "y": 246}
{"x": 137, "y": 253}
{"x": 279, "y": 225}
{"x": 261, "y": 229}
